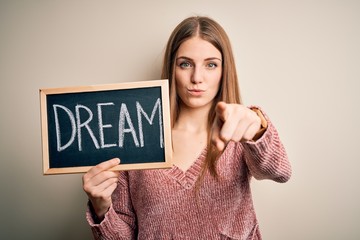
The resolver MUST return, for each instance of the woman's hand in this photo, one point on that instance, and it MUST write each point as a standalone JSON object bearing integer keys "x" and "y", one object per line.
{"x": 234, "y": 122}
{"x": 99, "y": 183}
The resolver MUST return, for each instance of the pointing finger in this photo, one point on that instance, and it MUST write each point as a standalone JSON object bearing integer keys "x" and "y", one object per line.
{"x": 222, "y": 111}
{"x": 215, "y": 135}
{"x": 228, "y": 127}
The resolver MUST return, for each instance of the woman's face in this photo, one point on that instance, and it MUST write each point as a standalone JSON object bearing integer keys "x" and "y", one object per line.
{"x": 197, "y": 72}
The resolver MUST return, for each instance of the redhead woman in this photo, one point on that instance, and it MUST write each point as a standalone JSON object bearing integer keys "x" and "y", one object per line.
{"x": 218, "y": 146}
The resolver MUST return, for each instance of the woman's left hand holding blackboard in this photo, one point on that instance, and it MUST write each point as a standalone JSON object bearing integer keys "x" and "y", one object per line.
{"x": 99, "y": 183}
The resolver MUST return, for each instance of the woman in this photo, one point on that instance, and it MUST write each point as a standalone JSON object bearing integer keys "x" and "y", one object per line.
{"x": 218, "y": 145}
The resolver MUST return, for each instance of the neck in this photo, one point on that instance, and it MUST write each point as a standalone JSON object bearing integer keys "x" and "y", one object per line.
{"x": 191, "y": 119}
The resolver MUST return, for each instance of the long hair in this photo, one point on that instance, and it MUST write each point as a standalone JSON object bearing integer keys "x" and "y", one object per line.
{"x": 208, "y": 30}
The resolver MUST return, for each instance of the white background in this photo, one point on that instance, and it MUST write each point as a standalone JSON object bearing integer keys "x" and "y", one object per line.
{"x": 298, "y": 60}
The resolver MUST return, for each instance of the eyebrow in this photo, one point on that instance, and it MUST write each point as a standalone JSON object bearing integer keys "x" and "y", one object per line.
{"x": 206, "y": 59}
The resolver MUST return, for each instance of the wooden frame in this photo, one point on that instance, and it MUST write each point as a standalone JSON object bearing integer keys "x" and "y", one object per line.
{"x": 163, "y": 84}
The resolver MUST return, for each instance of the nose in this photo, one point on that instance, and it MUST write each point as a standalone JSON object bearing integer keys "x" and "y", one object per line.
{"x": 197, "y": 75}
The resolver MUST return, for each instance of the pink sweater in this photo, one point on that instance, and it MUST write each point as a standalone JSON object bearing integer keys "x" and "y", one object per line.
{"x": 162, "y": 204}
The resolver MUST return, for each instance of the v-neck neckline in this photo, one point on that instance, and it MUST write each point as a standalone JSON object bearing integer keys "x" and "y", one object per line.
{"x": 188, "y": 178}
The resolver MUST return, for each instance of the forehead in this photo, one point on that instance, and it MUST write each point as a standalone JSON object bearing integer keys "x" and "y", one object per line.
{"x": 198, "y": 48}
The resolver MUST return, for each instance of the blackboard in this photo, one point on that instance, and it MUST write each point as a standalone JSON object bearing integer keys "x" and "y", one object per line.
{"x": 83, "y": 126}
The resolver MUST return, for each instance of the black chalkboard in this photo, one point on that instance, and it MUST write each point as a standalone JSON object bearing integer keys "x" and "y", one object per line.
{"x": 83, "y": 126}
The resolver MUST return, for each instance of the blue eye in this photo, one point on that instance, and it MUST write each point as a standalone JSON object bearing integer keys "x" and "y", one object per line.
{"x": 212, "y": 65}
{"x": 185, "y": 65}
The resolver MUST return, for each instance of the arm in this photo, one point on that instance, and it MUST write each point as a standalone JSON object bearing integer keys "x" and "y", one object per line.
{"x": 264, "y": 153}
{"x": 109, "y": 214}
{"x": 266, "y": 157}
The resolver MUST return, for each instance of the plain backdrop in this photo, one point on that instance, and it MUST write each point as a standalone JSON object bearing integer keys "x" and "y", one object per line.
{"x": 298, "y": 60}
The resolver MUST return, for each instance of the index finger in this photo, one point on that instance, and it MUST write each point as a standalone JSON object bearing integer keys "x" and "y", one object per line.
{"x": 215, "y": 135}
{"x": 221, "y": 111}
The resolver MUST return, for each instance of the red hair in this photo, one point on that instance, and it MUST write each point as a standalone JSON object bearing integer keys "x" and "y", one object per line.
{"x": 209, "y": 30}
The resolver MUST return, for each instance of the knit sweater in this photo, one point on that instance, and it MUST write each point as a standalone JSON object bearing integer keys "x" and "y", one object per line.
{"x": 163, "y": 204}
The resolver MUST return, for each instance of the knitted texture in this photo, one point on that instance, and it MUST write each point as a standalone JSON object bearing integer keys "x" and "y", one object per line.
{"x": 163, "y": 204}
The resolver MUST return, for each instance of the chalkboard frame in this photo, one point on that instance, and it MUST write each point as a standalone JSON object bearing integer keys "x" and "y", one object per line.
{"x": 164, "y": 163}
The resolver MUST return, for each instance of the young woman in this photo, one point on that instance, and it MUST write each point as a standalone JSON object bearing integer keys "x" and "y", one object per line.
{"x": 218, "y": 146}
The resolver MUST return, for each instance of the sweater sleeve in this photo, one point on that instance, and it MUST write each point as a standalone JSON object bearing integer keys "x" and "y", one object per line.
{"x": 119, "y": 222}
{"x": 266, "y": 158}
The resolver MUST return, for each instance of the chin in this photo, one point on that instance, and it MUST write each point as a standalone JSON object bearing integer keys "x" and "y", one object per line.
{"x": 198, "y": 104}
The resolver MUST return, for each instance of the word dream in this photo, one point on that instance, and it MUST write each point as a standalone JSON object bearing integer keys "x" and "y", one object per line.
{"x": 78, "y": 125}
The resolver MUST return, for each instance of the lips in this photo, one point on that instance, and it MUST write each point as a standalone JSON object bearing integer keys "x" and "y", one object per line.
{"x": 196, "y": 92}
